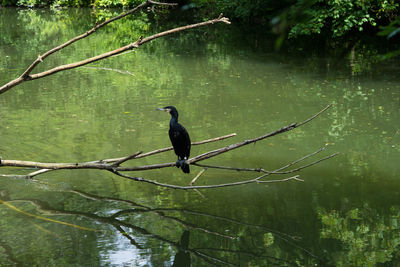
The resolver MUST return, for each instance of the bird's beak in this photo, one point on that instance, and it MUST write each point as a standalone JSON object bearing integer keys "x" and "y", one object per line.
{"x": 164, "y": 109}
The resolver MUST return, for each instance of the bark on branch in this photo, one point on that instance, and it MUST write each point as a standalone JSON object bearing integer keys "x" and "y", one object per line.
{"x": 27, "y": 76}
{"x": 113, "y": 165}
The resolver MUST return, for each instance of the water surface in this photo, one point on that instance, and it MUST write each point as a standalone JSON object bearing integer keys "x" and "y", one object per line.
{"x": 345, "y": 213}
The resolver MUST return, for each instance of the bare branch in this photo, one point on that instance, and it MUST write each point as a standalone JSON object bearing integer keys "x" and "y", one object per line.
{"x": 130, "y": 46}
{"x": 103, "y": 165}
{"x": 310, "y": 164}
{"x": 113, "y": 165}
{"x": 119, "y": 162}
{"x": 77, "y": 38}
{"x": 26, "y": 76}
{"x": 261, "y": 169}
{"x": 197, "y": 176}
{"x": 33, "y": 174}
{"x": 86, "y": 34}
{"x": 98, "y": 164}
{"x": 170, "y": 148}
{"x": 313, "y": 117}
{"x": 255, "y": 180}
{"x": 246, "y": 142}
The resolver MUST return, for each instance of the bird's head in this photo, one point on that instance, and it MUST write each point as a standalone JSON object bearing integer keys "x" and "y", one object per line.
{"x": 171, "y": 110}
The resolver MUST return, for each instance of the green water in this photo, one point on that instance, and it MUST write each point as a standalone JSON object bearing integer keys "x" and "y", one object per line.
{"x": 345, "y": 213}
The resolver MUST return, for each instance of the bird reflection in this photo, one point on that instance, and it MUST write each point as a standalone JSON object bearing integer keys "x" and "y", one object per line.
{"x": 182, "y": 258}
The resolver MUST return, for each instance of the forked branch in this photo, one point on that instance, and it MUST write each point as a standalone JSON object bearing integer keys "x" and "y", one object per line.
{"x": 27, "y": 76}
{"x": 113, "y": 165}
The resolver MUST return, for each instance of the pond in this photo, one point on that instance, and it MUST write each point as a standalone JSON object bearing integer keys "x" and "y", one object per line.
{"x": 223, "y": 80}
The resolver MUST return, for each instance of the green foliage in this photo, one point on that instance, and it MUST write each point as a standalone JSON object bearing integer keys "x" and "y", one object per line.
{"x": 334, "y": 18}
{"x": 268, "y": 239}
{"x": 245, "y": 10}
{"x": 26, "y": 3}
{"x": 340, "y": 17}
{"x": 116, "y": 3}
{"x": 368, "y": 237}
{"x": 391, "y": 31}
{"x": 33, "y": 3}
{"x": 8, "y": 3}
{"x": 71, "y": 3}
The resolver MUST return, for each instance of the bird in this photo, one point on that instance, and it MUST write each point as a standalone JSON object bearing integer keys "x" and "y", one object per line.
{"x": 179, "y": 138}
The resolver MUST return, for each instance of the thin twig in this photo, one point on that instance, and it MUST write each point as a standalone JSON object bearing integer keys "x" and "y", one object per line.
{"x": 33, "y": 174}
{"x": 140, "y": 179}
{"x": 157, "y": 151}
{"x": 296, "y": 177}
{"x": 246, "y": 142}
{"x": 112, "y": 165}
{"x": 119, "y": 162}
{"x": 308, "y": 165}
{"x": 254, "y": 180}
{"x": 261, "y": 169}
{"x": 109, "y": 69}
{"x": 316, "y": 115}
{"x": 99, "y": 164}
{"x": 197, "y": 176}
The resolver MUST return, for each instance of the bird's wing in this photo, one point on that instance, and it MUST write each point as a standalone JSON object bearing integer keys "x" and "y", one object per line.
{"x": 180, "y": 141}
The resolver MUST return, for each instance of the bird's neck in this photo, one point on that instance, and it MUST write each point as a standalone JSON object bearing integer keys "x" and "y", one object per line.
{"x": 173, "y": 121}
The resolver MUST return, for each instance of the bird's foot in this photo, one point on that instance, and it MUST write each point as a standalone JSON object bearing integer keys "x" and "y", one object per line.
{"x": 178, "y": 163}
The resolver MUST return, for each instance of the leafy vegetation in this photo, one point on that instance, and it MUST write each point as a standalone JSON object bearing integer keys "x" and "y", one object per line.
{"x": 340, "y": 17}
{"x": 290, "y": 18}
{"x": 368, "y": 237}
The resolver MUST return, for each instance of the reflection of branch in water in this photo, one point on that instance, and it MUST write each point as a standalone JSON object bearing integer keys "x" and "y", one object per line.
{"x": 119, "y": 225}
{"x": 289, "y": 239}
{"x": 280, "y": 235}
{"x": 181, "y": 222}
{"x": 7, "y": 204}
{"x": 110, "y": 69}
{"x": 100, "y": 198}
{"x": 145, "y": 209}
{"x": 159, "y": 211}
{"x": 9, "y": 254}
{"x": 131, "y": 240}
{"x": 42, "y": 206}
{"x": 228, "y": 220}
{"x": 112, "y": 220}
{"x": 252, "y": 254}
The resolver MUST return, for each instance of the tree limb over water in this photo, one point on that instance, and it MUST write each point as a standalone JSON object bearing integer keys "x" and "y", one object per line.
{"x": 27, "y": 76}
{"x": 114, "y": 165}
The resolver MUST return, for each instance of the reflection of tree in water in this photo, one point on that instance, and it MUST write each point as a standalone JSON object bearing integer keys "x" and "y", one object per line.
{"x": 368, "y": 237}
{"x": 182, "y": 232}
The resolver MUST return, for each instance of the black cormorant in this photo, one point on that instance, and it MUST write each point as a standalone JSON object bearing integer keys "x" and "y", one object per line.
{"x": 179, "y": 138}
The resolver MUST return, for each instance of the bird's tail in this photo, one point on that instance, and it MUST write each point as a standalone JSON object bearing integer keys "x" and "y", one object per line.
{"x": 185, "y": 167}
